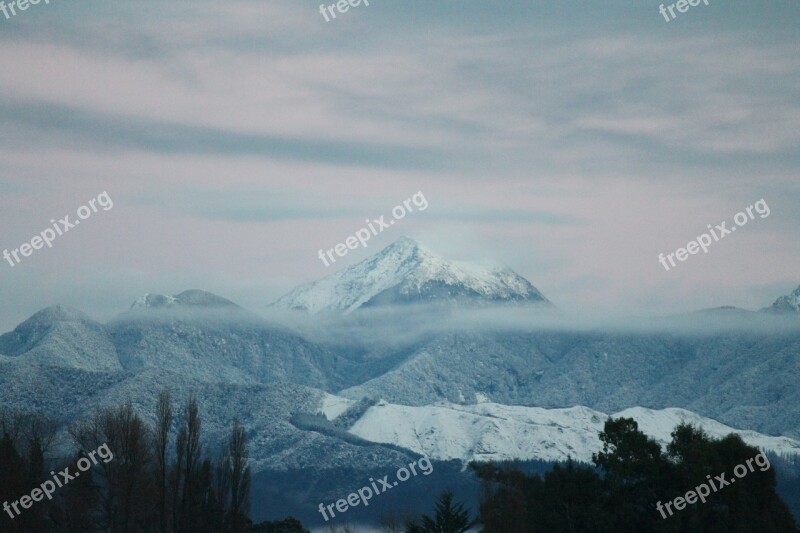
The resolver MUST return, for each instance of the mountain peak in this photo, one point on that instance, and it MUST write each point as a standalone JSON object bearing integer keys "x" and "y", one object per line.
{"x": 405, "y": 242}
{"x": 789, "y": 303}
{"x": 408, "y": 249}
{"x": 42, "y": 324}
{"x": 58, "y": 313}
{"x": 407, "y": 272}
{"x": 193, "y": 298}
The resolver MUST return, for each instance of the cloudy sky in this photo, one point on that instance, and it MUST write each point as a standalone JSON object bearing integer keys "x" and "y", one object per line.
{"x": 574, "y": 141}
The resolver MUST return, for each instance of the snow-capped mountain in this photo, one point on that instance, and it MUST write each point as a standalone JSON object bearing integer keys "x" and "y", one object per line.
{"x": 63, "y": 364}
{"x": 496, "y": 432}
{"x": 60, "y": 336}
{"x": 187, "y": 299}
{"x": 789, "y": 303}
{"x": 215, "y": 340}
{"x": 196, "y": 333}
{"x": 407, "y": 272}
{"x": 744, "y": 379}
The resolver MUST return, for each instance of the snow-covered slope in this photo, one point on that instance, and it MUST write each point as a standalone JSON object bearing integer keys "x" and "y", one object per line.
{"x": 789, "y": 303}
{"x": 214, "y": 340}
{"x": 333, "y": 406}
{"x": 63, "y": 337}
{"x": 187, "y": 299}
{"x": 495, "y": 432}
{"x": 660, "y": 423}
{"x": 203, "y": 336}
{"x": 406, "y": 272}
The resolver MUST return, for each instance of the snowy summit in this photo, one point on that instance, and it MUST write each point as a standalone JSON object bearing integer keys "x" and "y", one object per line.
{"x": 787, "y": 304}
{"x": 406, "y": 272}
{"x": 188, "y": 299}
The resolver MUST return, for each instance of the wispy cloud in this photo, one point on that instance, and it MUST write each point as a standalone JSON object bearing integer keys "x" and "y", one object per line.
{"x": 572, "y": 141}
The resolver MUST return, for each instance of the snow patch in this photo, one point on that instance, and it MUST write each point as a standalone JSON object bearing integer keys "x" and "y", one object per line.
{"x": 495, "y": 432}
{"x": 333, "y": 406}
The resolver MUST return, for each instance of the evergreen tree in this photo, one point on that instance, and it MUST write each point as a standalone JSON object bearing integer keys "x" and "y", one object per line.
{"x": 448, "y": 518}
{"x": 631, "y": 475}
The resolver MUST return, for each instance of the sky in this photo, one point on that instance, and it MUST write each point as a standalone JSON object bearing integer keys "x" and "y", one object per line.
{"x": 572, "y": 141}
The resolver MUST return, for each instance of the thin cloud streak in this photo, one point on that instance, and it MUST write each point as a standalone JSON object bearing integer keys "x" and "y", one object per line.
{"x": 572, "y": 142}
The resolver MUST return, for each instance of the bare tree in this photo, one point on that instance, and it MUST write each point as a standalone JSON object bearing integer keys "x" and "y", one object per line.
{"x": 127, "y": 502}
{"x": 24, "y": 428}
{"x": 239, "y": 471}
{"x": 161, "y": 444}
{"x": 222, "y": 481}
{"x": 177, "y": 476}
{"x": 189, "y": 440}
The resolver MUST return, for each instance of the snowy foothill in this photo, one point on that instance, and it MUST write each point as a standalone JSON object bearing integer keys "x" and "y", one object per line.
{"x": 495, "y": 432}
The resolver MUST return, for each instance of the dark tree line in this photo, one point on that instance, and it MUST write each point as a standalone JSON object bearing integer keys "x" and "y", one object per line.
{"x": 629, "y": 477}
{"x": 24, "y": 440}
{"x": 162, "y": 478}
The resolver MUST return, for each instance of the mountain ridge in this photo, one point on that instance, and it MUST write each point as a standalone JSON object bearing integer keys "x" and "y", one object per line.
{"x": 787, "y": 304}
{"x": 263, "y": 374}
{"x": 192, "y": 298}
{"x": 407, "y": 272}
{"x": 489, "y": 431}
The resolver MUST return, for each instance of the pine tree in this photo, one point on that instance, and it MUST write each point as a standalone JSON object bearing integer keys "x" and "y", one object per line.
{"x": 448, "y": 518}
